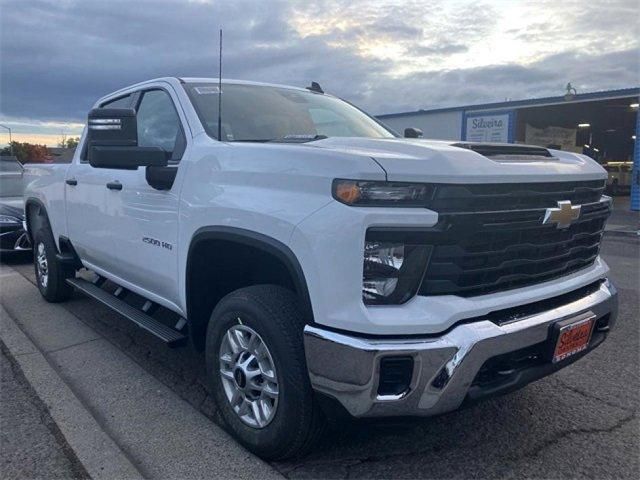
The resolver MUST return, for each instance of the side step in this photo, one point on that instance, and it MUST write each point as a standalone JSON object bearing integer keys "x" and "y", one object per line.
{"x": 168, "y": 335}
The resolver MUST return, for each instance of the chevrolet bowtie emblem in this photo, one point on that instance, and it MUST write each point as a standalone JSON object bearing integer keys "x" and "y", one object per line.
{"x": 563, "y": 215}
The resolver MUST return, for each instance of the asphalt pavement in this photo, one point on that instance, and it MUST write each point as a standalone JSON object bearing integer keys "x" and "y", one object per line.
{"x": 623, "y": 219}
{"x": 31, "y": 445}
{"x": 579, "y": 423}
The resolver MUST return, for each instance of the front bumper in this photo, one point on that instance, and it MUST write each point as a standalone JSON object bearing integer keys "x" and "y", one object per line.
{"x": 453, "y": 368}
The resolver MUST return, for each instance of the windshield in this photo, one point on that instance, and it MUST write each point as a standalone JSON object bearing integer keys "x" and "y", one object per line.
{"x": 255, "y": 113}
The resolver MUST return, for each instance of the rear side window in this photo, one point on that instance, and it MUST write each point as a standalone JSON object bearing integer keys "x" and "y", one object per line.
{"x": 159, "y": 124}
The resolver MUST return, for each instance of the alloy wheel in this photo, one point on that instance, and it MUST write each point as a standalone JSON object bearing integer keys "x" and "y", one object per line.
{"x": 42, "y": 265}
{"x": 249, "y": 376}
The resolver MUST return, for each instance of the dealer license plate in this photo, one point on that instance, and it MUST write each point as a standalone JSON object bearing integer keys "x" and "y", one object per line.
{"x": 573, "y": 336}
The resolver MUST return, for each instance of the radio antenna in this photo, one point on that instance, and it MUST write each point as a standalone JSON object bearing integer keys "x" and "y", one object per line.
{"x": 220, "y": 89}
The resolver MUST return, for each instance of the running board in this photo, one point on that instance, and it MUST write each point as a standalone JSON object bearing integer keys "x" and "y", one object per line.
{"x": 168, "y": 335}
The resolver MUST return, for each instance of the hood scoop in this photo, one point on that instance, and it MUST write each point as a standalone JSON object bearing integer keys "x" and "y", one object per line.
{"x": 506, "y": 152}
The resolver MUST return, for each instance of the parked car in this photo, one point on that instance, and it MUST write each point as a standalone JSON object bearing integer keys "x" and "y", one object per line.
{"x": 13, "y": 237}
{"x": 619, "y": 179}
{"x": 322, "y": 263}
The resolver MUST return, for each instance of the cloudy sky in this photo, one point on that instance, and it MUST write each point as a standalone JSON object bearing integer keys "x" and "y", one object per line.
{"x": 58, "y": 56}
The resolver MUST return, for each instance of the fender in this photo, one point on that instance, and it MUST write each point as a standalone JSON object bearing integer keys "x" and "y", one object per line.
{"x": 259, "y": 241}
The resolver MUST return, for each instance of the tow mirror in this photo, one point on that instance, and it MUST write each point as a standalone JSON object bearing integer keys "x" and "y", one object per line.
{"x": 113, "y": 141}
{"x": 412, "y": 132}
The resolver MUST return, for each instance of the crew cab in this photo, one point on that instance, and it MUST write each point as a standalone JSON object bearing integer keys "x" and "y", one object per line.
{"x": 324, "y": 264}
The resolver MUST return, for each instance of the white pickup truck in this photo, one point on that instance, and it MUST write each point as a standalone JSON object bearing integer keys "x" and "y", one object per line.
{"x": 322, "y": 263}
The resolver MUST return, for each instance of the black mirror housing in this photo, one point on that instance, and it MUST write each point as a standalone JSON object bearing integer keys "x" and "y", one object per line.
{"x": 412, "y": 132}
{"x": 113, "y": 126}
{"x": 113, "y": 141}
{"x": 126, "y": 158}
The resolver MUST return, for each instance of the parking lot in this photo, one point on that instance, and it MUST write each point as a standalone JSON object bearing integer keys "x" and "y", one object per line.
{"x": 581, "y": 422}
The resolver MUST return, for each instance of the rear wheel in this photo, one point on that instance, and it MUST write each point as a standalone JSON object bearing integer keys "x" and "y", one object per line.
{"x": 51, "y": 274}
{"x": 257, "y": 372}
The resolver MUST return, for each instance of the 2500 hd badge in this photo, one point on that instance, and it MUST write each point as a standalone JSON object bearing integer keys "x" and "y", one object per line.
{"x": 157, "y": 243}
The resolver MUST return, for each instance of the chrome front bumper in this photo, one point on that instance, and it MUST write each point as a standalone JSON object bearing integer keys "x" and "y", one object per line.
{"x": 347, "y": 367}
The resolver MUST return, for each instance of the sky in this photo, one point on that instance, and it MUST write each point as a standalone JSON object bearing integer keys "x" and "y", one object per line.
{"x": 58, "y": 56}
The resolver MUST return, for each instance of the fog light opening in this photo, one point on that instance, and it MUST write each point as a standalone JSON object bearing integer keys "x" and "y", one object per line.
{"x": 395, "y": 376}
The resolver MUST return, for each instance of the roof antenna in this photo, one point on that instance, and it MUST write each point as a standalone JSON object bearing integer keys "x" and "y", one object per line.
{"x": 315, "y": 87}
{"x": 220, "y": 90}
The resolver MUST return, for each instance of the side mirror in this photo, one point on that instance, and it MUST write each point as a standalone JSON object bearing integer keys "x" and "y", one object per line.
{"x": 113, "y": 141}
{"x": 412, "y": 132}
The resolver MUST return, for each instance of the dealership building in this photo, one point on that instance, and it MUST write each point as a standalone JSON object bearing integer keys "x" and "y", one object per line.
{"x": 600, "y": 124}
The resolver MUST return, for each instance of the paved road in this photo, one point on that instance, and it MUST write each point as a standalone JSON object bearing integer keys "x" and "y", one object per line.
{"x": 581, "y": 422}
{"x": 623, "y": 216}
{"x": 30, "y": 444}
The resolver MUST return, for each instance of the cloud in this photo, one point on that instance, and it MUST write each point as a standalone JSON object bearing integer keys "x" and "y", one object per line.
{"x": 58, "y": 57}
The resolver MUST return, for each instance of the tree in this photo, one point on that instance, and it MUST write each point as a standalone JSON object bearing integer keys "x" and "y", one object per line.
{"x": 72, "y": 142}
{"x": 27, "y": 152}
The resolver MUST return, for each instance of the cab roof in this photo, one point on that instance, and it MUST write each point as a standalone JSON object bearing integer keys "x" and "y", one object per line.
{"x": 211, "y": 80}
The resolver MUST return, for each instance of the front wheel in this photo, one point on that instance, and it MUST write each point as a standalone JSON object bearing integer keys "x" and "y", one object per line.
{"x": 257, "y": 372}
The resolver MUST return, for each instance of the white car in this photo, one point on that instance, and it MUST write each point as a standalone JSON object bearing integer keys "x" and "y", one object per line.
{"x": 619, "y": 179}
{"x": 321, "y": 262}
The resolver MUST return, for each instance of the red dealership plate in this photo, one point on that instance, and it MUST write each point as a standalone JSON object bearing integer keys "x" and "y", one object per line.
{"x": 573, "y": 336}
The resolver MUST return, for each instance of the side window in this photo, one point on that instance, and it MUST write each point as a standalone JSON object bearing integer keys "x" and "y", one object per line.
{"x": 159, "y": 124}
{"x": 122, "y": 102}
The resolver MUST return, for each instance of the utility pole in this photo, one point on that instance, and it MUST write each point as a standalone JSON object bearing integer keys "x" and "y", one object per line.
{"x": 10, "y": 142}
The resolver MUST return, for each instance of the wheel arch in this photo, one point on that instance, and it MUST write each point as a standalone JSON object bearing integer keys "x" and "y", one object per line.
{"x": 279, "y": 255}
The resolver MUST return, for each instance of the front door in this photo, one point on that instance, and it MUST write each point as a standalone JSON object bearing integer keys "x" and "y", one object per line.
{"x": 143, "y": 221}
{"x": 86, "y": 196}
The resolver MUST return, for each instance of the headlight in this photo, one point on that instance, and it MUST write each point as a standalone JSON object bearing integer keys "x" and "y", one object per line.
{"x": 9, "y": 220}
{"x": 381, "y": 194}
{"x": 392, "y": 270}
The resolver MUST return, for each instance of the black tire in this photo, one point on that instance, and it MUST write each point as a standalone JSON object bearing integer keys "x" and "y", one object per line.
{"x": 273, "y": 313}
{"x": 55, "y": 288}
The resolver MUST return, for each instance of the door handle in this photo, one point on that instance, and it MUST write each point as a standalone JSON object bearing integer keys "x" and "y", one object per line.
{"x": 114, "y": 185}
{"x": 71, "y": 181}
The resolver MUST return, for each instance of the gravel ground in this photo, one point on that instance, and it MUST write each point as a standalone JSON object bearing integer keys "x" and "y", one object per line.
{"x": 579, "y": 423}
{"x": 30, "y": 444}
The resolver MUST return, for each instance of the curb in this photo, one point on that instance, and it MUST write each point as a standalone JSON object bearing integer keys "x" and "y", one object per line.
{"x": 623, "y": 233}
{"x": 94, "y": 448}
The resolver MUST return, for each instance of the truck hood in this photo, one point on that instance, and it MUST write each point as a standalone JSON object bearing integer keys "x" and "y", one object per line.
{"x": 443, "y": 162}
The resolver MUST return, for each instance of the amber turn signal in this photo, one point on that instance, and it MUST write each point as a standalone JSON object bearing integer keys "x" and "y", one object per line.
{"x": 372, "y": 193}
{"x": 347, "y": 192}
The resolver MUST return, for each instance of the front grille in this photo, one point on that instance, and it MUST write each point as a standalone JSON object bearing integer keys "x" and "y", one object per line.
{"x": 449, "y": 198}
{"x": 477, "y": 250}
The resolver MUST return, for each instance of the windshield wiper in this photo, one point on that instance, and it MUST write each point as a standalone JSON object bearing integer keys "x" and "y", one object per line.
{"x": 298, "y": 138}
{"x": 285, "y": 139}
